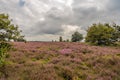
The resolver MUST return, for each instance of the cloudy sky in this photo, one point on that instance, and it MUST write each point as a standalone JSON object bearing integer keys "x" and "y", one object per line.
{"x": 46, "y": 20}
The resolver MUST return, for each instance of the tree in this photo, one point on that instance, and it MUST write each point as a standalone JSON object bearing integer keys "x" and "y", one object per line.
{"x": 100, "y": 34}
{"x": 67, "y": 40}
{"x": 76, "y": 36}
{"x": 9, "y": 31}
{"x": 60, "y": 39}
{"x": 117, "y": 32}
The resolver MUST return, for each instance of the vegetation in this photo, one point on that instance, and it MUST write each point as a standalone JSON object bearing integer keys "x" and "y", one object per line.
{"x": 102, "y": 34}
{"x": 4, "y": 48}
{"x": 8, "y": 32}
{"x": 76, "y": 36}
{"x": 61, "y": 61}
{"x": 117, "y": 32}
{"x": 67, "y": 40}
{"x": 60, "y": 39}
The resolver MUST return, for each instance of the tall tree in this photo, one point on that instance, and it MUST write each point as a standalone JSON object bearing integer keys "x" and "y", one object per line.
{"x": 76, "y": 36}
{"x": 9, "y": 31}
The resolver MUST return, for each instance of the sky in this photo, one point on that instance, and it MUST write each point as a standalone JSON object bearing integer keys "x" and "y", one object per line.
{"x": 46, "y": 20}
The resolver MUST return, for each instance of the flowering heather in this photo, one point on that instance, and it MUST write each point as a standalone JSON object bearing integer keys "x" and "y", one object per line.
{"x": 61, "y": 61}
{"x": 65, "y": 51}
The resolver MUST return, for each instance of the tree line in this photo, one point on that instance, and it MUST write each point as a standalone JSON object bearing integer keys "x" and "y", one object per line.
{"x": 75, "y": 37}
{"x": 99, "y": 34}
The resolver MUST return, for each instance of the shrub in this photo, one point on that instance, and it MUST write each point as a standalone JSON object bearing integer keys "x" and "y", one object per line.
{"x": 100, "y": 34}
{"x": 76, "y": 36}
{"x": 4, "y": 48}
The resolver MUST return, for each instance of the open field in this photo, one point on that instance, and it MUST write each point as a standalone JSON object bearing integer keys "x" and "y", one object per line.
{"x": 61, "y": 61}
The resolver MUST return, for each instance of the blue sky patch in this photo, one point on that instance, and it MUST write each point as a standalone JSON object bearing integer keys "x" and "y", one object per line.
{"x": 21, "y": 2}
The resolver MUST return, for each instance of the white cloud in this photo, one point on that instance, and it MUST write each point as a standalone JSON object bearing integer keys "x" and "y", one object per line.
{"x": 98, "y": 4}
{"x": 47, "y": 19}
{"x": 44, "y": 37}
{"x": 70, "y": 29}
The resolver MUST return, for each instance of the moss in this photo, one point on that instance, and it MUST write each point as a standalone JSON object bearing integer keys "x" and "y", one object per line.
{"x": 44, "y": 61}
{"x": 34, "y": 59}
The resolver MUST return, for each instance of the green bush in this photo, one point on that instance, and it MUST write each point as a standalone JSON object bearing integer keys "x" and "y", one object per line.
{"x": 101, "y": 34}
{"x": 4, "y": 48}
{"x": 76, "y": 36}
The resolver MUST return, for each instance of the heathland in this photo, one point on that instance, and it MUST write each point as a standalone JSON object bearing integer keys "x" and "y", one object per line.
{"x": 61, "y": 61}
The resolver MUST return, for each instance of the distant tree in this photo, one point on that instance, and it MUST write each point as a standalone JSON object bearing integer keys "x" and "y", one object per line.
{"x": 76, "y": 36}
{"x": 67, "y": 40}
{"x": 100, "y": 34}
{"x": 64, "y": 40}
{"x": 60, "y": 39}
{"x": 52, "y": 40}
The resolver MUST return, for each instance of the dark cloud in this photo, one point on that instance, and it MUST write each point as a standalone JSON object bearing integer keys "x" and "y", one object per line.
{"x": 54, "y": 19}
{"x": 114, "y": 5}
{"x": 86, "y": 15}
{"x": 83, "y": 15}
{"x": 50, "y": 26}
